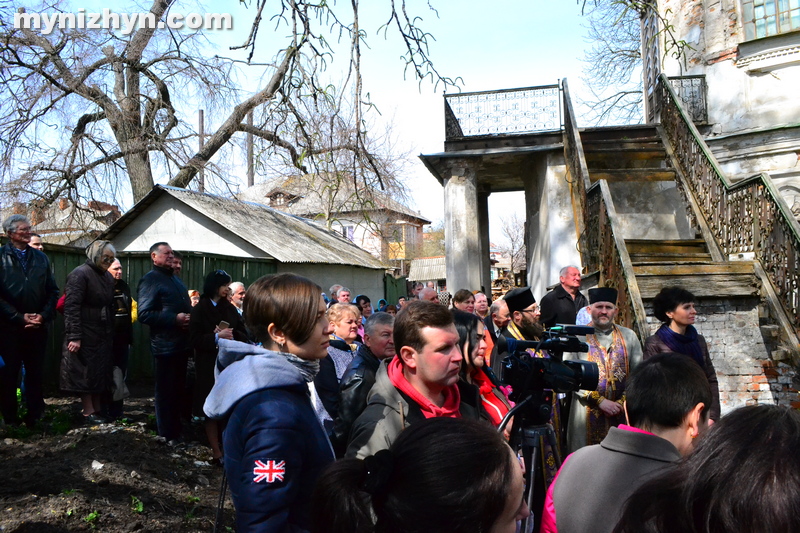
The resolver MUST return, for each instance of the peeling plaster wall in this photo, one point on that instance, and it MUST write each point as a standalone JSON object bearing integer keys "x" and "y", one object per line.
{"x": 551, "y": 233}
{"x": 739, "y": 97}
{"x": 752, "y": 87}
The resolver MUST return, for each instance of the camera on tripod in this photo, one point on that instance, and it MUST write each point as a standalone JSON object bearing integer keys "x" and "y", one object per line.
{"x": 529, "y": 375}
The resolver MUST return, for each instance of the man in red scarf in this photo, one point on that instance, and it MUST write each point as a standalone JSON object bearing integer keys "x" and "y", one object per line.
{"x": 421, "y": 381}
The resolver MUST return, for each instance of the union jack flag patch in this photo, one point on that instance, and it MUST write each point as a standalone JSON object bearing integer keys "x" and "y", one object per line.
{"x": 269, "y": 471}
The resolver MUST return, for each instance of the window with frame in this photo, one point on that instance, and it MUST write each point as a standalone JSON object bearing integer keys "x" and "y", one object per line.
{"x": 763, "y": 18}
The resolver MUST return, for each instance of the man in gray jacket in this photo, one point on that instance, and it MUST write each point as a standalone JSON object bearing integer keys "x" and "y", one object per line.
{"x": 667, "y": 406}
{"x": 421, "y": 381}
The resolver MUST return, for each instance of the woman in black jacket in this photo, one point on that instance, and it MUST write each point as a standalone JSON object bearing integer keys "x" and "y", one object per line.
{"x": 88, "y": 329}
{"x": 206, "y": 326}
{"x": 674, "y": 307}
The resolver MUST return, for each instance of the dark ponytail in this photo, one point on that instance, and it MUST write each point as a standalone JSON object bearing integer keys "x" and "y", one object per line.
{"x": 338, "y": 503}
{"x": 440, "y": 475}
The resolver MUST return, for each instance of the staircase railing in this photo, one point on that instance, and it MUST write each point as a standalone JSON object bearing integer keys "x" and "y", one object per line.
{"x": 577, "y": 171}
{"x": 748, "y": 217}
{"x": 601, "y": 244}
{"x": 608, "y": 254}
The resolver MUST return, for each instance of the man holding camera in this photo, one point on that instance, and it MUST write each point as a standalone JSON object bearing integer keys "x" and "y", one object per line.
{"x": 617, "y": 351}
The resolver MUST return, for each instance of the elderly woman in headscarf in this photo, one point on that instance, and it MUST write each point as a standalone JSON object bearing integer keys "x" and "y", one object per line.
{"x": 87, "y": 355}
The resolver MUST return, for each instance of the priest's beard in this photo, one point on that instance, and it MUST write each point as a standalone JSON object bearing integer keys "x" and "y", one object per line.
{"x": 531, "y": 330}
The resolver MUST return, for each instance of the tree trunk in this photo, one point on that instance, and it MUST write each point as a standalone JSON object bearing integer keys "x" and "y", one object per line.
{"x": 139, "y": 171}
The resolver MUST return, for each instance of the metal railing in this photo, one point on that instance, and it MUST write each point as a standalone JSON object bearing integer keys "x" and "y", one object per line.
{"x": 600, "y": 240}
{"x": 509, "y": 111}
{"x": 750, "y": 216}
{"x": 692, "y": 93}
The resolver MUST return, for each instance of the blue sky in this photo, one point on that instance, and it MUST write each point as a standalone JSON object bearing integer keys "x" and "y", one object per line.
{"x": 491, "y": 45}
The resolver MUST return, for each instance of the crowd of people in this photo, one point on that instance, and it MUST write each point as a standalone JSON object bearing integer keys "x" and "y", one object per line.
{"x": 330, "y": 413}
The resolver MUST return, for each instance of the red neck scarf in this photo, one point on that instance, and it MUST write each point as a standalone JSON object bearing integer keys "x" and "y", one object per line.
{"x": 452, "y": 398}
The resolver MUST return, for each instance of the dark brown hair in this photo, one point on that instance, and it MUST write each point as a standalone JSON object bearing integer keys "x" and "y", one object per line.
{"x": 743, "y": 477}
{"x": 414, "y": 316}
{"x": 445, "y": 474}
{"x": 289, "y": 301}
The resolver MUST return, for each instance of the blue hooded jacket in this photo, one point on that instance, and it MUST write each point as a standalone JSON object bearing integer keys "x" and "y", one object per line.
{"x": 275, "y": 448}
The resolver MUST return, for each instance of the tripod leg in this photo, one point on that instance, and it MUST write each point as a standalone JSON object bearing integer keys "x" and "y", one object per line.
{"x": 551, "y": 438}
{"x": 532, "y": 457}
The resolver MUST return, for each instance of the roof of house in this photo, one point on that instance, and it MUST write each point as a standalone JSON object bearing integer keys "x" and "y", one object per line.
{"x": 427, "y": 268}
{"x": 308, "y": 204}
{"x": 287, "y": 238}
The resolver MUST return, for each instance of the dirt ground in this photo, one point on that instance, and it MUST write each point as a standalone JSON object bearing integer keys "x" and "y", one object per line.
{"x": 113, "y": 477}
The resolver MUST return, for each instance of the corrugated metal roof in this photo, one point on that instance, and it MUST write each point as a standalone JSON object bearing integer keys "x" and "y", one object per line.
{"x": 287, "y": 238}
{"x": 311, "y": 204}
{"x": 427, "y": 268}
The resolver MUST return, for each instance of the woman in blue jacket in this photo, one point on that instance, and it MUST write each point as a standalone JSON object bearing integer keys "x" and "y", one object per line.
{"x": 275, "y": 448}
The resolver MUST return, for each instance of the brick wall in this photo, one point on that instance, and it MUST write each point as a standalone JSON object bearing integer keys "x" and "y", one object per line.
{"x": 747, "y": 374}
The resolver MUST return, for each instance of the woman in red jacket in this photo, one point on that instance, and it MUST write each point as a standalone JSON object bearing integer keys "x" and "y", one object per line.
{"x": 471, "y": 333}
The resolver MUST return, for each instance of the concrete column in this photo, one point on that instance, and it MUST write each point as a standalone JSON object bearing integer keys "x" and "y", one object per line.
{"x": 461, "y": 228}
{"x": 483, "y": 229}
{"x": 552, "y": 243}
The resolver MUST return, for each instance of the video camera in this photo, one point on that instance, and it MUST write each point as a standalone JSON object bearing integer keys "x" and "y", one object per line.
{"x": 529, "y": 375}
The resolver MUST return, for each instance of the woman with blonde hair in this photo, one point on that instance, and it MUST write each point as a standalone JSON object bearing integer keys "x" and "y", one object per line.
{"x": 345, "y": 320}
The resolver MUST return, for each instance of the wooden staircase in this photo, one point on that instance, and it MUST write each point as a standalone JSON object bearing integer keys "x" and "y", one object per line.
{"x": 634, "y": 157}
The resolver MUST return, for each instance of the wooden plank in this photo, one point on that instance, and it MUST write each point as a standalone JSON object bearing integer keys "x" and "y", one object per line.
{"x": 736, "y": 286}
{"x": 632, "y": 174}
{"x": 663, "y": 247}
{"x": 615, "y": 154}
{"x": 674, "y": 257}
{"x": 672, "y": 269}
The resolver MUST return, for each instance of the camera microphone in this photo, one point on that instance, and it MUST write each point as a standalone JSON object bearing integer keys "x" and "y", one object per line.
{"x": 511, "y": 345}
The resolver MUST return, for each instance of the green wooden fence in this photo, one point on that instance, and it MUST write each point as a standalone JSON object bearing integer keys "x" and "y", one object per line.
{"x": 135, "y": 265}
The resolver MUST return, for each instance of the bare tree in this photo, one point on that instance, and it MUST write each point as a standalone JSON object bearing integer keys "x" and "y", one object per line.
{"x": 513, "y": 230}
{"x": 612, "y": 64}
{"x": 91, "y": 113}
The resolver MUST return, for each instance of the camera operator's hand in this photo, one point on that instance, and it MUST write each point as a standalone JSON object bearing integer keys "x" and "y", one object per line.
{"x": 610, "y": 408}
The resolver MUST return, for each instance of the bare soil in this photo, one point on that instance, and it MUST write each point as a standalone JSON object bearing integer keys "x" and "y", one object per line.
{"x": 120, "y": 476}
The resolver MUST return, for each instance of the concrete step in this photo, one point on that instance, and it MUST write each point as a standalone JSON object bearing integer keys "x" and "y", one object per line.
{"x": 707, "y": 280}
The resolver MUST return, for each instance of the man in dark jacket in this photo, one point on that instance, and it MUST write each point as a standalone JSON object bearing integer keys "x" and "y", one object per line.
{"x": 359, "y": 377}
{"x": 561, "y": 305}
{"x": 28, "y": 295}
{"x": 164, "y": 305}
{"x": 123, "y": 332}
{"x": 421, "y": 382}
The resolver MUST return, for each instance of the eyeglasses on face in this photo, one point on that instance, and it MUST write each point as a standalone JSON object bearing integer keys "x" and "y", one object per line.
{"x": 534, "y": 310}
{"x": 107, "y": 259}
